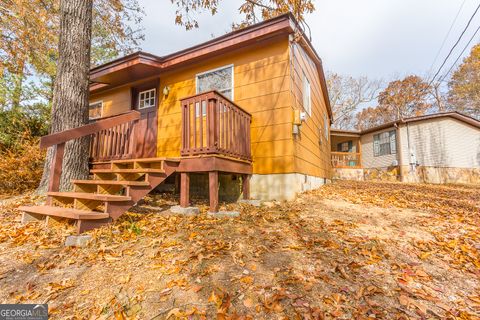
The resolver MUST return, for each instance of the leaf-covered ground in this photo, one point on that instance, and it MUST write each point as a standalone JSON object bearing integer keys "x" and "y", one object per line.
{"x": 349, "y": 250}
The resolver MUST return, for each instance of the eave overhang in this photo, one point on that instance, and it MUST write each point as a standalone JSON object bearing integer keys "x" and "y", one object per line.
{"x": 142, "y": 65}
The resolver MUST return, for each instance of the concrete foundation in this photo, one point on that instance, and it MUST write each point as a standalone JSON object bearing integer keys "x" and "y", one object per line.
{"x": 420, "y": 174}
{"x": 225, "y": 214}
{"x": 282, "y": 186}
{"x": 188, "y": 211}
{"x": 440, "y": 175}
{"x": 78, "y": 241}
{"x": 382, "y": 174}
{"x": 348, "y": 174}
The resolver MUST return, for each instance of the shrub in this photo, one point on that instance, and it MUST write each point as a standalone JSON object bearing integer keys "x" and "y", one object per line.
{"x": 18, "y": 126}
{"x": 21, "y": 167}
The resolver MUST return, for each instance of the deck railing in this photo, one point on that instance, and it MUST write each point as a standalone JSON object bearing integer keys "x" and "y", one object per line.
{"x": 58, "y": 140}
{"x": 114, "y": 143}
{"x": 212, "y": 124}
{"x": 346, "y": 160}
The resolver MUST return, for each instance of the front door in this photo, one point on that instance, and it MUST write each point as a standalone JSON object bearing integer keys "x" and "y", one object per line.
{"x": 144, "y": 100}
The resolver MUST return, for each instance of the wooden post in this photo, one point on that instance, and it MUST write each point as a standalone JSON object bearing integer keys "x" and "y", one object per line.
{"x": 213, "y": 190}
{"x": 55, "y": 170}
{"x": 246, "y": 186}
{"x": 184, "y": 189}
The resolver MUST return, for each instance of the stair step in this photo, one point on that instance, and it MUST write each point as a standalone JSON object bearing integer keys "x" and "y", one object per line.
{"x": 140, "y": 170}
{"x": 90, "y": 196}
{"x": 68, "y": 213}
{"x": 113, "y": 182}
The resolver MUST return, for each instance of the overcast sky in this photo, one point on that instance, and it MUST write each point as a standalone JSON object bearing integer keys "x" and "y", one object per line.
{"x": 374, "y": 38}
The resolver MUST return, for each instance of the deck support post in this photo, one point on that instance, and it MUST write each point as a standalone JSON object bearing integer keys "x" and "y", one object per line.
{"x": 213, "y": 190}
{"x": 184, "y": 189}
{"x": 246, "y": 186}
{"x": 55, "y": 169}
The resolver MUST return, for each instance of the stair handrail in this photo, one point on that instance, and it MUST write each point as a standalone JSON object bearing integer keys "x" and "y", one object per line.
{"x": 58, "y": 140}
{"x": 91, "y": 128}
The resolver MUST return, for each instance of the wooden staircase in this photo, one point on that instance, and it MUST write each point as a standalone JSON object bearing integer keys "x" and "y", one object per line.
{"x": 107, "y": 195}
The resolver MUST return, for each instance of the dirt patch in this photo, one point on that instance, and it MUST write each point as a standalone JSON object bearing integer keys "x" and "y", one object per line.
{"x": 349, "y": 250}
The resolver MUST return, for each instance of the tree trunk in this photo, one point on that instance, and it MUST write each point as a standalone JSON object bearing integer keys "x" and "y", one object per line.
{"x": 71, "y": 89}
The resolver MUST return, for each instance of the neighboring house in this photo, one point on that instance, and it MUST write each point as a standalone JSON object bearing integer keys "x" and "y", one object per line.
{"x": 436, "y": 148}
{"x": 263, "y": 132}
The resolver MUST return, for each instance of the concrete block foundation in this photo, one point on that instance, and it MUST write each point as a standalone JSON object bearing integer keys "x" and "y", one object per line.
{"x": 225, "y": 214}
{"x": 282, "y": 186}
{"x": 188, "y": 211}
{"x": 78, "y": 241}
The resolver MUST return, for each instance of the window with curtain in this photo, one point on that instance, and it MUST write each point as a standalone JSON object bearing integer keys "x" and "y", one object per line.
{"x": 220, "y": 79}
{"x": 95, "y": 110}
{"x": 307, "y": 96}
{"x": 346, "y": 146}
{"x": 385, "y": 143}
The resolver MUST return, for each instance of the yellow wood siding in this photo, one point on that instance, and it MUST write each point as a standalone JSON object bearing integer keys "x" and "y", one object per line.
{"x": 261, "y": 87}
{"x": 114, "y": 101}
{"x": 267, "y": 84}
{"x": 312, "y": 146}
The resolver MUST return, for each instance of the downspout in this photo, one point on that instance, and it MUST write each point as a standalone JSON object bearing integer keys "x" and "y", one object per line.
{"x": 411, "y": 164}
{"x": 399, "y": 152}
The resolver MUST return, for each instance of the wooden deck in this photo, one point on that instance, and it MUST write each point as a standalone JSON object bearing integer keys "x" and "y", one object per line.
{"x": 214, "y": 141}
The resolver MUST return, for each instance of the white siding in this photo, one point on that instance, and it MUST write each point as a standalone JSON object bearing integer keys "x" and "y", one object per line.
{"x": 442, "y": 142}
{"x": 368, "y": 159}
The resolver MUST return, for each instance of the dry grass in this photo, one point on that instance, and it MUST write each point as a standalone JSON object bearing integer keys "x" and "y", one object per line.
{"x": 350, "y": 250}
{"x": 21, "y": 171}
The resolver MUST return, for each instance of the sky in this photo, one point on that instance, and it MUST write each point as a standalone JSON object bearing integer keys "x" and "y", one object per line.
{"x": 380, "y": 39}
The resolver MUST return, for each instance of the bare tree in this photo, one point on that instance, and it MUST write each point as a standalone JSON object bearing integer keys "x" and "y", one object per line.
{"x": 347, "y": 94}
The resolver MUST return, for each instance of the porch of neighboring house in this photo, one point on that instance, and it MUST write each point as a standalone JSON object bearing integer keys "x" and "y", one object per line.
{"x": 346, "y": 149}
{"x": 346, "y": 153}
{"x": 215, "y": 138}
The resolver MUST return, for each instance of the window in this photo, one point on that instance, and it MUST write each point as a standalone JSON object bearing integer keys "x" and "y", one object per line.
{"x": 346, "y": 146}
{"x": 95, "y": 110}
{"x": 325, "y": 121}
{"x": 146, "y": 99}
{"x": 307, "y": 98}
{"x": 220, "y": 79}
{"x": 384, "y": 143}
{"x": 204, "y": 109}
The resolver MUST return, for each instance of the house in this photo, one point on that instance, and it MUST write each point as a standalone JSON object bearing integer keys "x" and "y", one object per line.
{"x": 435, "y": 148}
{"x": 245, "y": 114}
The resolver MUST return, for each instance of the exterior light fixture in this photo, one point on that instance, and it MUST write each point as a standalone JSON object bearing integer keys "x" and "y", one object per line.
{"x": 166, "y": 90}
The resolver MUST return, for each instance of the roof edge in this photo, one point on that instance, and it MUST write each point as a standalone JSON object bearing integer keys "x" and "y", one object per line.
{"x": 449, "y": 114}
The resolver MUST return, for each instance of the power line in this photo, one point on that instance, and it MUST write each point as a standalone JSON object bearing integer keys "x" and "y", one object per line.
{"x": 461, "y": 54}
{"x": 448, "y": 34}
{"x": 455, "y": 45}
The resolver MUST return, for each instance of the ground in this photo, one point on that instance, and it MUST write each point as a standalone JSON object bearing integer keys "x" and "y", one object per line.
{"x": 350, "y": 250}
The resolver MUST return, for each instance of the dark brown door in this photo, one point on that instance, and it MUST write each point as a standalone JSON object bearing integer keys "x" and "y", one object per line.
{"x": 144, "y": 99}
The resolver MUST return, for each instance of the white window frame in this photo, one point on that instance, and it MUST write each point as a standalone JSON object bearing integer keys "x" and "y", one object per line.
{"x": 327, "y": 127}
{"x": 154, "y": 90}
{"x": 101, "y": 109}
{"x": 391, "y": 142}
{"x": 307, "y": 95}
{"x": 216, "y": 69}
